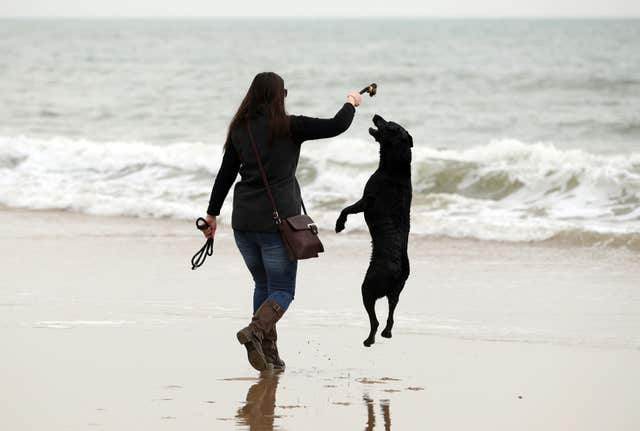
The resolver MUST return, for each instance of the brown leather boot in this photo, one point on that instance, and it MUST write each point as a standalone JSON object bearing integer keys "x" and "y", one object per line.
{"x": 251, "y": 337}
{"x": 270, "y": 349}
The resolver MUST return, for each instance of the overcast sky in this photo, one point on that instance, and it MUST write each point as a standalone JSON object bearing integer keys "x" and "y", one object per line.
{"x": 332, "y": 8}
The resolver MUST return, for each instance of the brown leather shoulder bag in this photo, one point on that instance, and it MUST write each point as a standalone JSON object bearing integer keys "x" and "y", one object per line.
{"x": 299, "y": 233}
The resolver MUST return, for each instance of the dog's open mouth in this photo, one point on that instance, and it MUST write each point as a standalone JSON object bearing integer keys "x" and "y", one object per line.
{"x": 378, "y": 121}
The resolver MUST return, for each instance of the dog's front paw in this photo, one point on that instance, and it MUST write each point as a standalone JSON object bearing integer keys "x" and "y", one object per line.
{"x": 386, "y": 333}
{"x": 369, "y": 341}
{"x": 340, "y": 224}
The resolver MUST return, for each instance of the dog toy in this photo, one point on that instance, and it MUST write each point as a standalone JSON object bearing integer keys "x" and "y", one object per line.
{"x": 371, "y": 89}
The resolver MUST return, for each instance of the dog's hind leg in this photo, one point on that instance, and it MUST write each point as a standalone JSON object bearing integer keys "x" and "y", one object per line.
{"x": 393, "y": 301}
{"x": 370, "y": 305}
{"x": 394, "y": 296}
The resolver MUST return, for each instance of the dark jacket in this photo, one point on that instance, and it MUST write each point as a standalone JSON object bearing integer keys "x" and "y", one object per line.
{"x": 251, "y": 207}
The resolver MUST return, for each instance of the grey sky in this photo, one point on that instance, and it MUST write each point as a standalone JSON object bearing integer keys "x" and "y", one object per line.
{"x": 341, "y": 8}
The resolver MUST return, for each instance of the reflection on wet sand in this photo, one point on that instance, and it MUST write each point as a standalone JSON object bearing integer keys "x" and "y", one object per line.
{"x": 371, "y": 417}
{"x": 257, "y": 413}
{"x": 258, "y": 410}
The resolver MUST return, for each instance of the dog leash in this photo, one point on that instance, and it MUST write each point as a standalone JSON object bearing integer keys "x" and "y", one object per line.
{"x": 207, "y": 249}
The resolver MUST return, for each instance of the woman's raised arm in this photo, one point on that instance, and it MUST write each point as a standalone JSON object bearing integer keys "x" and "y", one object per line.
{"x": 308, "y": 128}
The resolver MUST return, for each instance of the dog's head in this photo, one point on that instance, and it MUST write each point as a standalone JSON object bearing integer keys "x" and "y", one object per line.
{"x": 395, "y": 141}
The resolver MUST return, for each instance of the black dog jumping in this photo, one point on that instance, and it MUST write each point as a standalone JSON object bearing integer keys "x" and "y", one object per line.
{"x": 386, "y": 203}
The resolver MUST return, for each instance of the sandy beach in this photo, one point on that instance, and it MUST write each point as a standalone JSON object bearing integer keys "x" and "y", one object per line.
{"x": 105, "y": 326}
{"x": 522, "y": 310}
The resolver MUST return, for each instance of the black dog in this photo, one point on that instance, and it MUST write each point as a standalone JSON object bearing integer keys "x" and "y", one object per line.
{"x": 386, "y": 203}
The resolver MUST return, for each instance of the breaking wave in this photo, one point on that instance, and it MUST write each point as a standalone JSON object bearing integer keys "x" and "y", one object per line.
{"x": 506, "y": 190}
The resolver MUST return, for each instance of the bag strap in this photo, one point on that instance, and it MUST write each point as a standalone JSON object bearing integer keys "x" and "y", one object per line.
{"x": 276, "y": 215}
{"x": 304, "y": 210}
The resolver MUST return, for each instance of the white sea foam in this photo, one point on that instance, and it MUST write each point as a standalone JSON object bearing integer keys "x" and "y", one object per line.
{"x": 505, "y": 190}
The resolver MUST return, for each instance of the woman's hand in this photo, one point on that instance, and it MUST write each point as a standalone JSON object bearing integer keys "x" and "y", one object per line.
{"x": 354, "y": 98}
{"x": 211, "y": 230}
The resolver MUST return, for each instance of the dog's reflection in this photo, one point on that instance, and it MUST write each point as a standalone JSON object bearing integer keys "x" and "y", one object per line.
{"x": 371, "y": 417}
{"x": 257, "y": 413}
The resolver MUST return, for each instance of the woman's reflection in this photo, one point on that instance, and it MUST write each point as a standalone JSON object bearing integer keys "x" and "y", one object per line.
{"x": 257, "y": 411}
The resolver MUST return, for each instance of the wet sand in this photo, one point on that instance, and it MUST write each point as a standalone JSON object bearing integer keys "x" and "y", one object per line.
{"x": 104, "y": 326}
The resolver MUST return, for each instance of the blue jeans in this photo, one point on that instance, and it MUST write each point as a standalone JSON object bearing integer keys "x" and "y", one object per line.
{"x": 273, "y": 273}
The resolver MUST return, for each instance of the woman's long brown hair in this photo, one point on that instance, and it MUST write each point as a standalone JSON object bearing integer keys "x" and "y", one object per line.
{"x": 267, "y": 90}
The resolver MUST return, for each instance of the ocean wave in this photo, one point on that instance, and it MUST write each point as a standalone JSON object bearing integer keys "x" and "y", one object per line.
{"x": 107, "y": 178}
{"x": 506, "y": 190}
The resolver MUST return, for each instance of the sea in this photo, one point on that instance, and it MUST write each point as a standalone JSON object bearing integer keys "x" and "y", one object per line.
{"x": 524, "y": 130}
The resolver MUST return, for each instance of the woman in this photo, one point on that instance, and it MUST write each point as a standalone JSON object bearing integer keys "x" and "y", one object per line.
{"x": 278, "y": 137}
